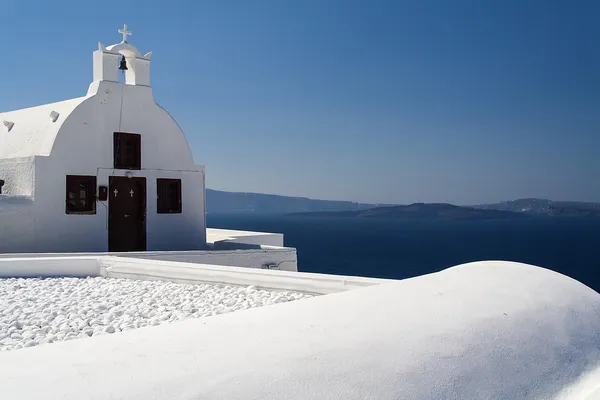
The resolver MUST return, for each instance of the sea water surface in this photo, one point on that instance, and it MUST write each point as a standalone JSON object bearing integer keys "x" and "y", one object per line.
{"x": 393, "y": 248}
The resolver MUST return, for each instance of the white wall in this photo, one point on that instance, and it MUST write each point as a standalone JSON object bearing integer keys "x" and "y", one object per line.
{"x": 182, "y": 272}
{"x": 284, "y": 259}
{"x": 50, "y": 266}
{"x": 17, "y": 233}
{"x": 221, "y": 236}
{"x": 123, "y": 267}
{"x": 84, "y": 146}
{"x": 18, "y": 175}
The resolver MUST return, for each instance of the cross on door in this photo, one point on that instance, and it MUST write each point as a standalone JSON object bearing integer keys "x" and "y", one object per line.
{"x": 116, "y": 192}
{"x": 131, "y": 192}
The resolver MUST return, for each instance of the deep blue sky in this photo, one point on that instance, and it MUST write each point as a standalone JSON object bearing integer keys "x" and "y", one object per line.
{"x": 378, "y": 101}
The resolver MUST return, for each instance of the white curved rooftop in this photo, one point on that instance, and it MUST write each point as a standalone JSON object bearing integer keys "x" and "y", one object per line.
{"x": 483, "y": 330}
{"x": 33, "y": 132}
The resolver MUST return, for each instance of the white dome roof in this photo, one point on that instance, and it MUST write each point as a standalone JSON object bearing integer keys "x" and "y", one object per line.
{"x": 34, "y": 130}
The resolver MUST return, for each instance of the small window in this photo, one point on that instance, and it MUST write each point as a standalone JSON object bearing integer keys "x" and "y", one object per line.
{"x": 169, "y": 196}
{"x": 81, "y": 194}
{"x": 127, "y": 150}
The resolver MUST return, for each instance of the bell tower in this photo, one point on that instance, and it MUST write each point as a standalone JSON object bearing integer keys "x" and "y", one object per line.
{"x": 108, "y": 61}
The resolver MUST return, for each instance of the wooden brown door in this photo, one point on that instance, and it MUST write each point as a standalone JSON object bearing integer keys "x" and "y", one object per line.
{"x": 126, "y": 214}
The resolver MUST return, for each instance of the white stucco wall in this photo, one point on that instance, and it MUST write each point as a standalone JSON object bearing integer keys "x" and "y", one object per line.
{"x": 277, "y": 258}
{"x": 221, "y": 236}
{"x": 183, "y": 272}
{"x": 17, "y": 231}
{"x": 31, "y": 267}
{"x": 284, "y": 258}
{"x": 18, "y": 175}
{"x": 180, "y": 272}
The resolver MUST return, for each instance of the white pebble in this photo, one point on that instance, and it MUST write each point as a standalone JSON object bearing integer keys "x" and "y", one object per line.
{"x": 37, "y": 311}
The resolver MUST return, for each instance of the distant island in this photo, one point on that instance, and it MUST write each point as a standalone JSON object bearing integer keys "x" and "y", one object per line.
{"x": 218, "y": 201}
{"x": 546, "y": 207}
{"x": 435, "y": 211}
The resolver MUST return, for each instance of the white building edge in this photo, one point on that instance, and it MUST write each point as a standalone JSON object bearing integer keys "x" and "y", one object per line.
{"x": 478, "y": 331}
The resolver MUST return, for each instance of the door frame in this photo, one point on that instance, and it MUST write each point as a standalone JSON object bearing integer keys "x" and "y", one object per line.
{"x": 143, "y": 210}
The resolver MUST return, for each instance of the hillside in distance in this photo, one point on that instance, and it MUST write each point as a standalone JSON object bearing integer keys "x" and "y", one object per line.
{"x": 546, "y": 207}
{"x": 230, "y": 202}
{"x": 218, "y": 201}
{"x": 435, "y": 211}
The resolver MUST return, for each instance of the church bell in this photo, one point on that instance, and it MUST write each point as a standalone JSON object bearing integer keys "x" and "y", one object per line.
{"x": 123, "y": 66}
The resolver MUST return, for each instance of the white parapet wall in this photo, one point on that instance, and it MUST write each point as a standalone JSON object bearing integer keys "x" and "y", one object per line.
{"x": 30, "y": 267}
{"x": 280, "y": 258}
{"x": 179, "y": 272}
{"x": 218, "y": 236}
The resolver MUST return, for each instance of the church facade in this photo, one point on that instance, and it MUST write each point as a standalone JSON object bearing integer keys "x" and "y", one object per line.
{"x": 110, "y": 171}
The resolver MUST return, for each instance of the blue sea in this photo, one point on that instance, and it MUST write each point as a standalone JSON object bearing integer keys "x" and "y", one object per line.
{"x": 392, "y": 248}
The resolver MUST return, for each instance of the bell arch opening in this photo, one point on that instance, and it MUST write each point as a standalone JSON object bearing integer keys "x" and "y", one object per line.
{"x": 122, "y": 63}
{"x": 122, "y": 69}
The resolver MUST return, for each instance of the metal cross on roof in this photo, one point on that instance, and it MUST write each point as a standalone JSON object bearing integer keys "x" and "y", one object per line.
{"x": 124, "y": 32}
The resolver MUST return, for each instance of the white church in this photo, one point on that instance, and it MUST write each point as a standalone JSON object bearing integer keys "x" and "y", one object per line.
{"x": 109, "y": 171}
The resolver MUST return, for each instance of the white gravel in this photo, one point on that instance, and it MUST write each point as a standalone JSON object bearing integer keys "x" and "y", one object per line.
{"x": 35, "y": 311}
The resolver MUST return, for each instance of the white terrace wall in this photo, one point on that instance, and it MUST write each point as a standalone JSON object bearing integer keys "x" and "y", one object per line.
{"x": 131, "y": 268}
{"x": 121, "y": 267}
{"x": 24, "y": 267}
{"x": 283, "y": 258}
